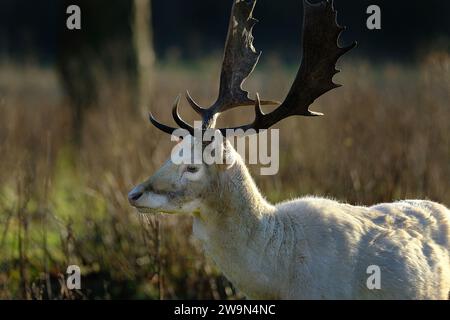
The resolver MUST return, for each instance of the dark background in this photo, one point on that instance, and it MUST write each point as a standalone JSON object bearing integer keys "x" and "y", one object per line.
{"x": 198, "y": 27}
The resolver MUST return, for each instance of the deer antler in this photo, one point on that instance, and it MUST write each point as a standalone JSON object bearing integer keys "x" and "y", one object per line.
{"x": 240, "y": 58}
{"x": 315, "y": 75}
{"x": 314, "y": 78}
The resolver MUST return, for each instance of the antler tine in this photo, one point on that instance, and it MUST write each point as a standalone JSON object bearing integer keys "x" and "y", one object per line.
{"x": 259, "y": 114}
{"x": 176, "y": 116}
{"x": 159, "y": 125}
{"x": 257, "y": 122}
{"x": 321, "y": 52}
{"x": 201, "y": 111}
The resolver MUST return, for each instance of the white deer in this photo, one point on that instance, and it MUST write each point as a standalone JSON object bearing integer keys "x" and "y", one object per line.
{"x": 307, "y": 248}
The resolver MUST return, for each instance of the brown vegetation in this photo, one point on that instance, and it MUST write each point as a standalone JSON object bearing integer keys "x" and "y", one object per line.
{"x": 385, "y": 136}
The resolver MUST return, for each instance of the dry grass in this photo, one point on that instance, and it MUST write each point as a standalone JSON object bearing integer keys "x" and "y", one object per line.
{"x": 385, "y": 136}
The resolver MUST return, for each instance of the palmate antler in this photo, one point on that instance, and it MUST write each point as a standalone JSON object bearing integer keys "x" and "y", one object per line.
{"x": 314, "y": 78}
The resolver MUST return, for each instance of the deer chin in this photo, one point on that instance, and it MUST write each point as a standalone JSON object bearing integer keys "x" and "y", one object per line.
{"x": 152, "y": 211}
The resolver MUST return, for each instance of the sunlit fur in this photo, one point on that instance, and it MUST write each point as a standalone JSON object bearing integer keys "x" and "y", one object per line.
{"x": 306, "y": 248}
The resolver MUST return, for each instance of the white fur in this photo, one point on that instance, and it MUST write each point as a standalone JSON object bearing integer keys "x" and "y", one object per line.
{"x": 314, "y": 248}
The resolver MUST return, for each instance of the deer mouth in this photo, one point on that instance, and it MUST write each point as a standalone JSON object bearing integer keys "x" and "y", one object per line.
{"x": 153, "y": 211}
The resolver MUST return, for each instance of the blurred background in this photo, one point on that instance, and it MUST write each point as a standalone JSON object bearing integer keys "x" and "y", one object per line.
{"x": 74, "y": 136}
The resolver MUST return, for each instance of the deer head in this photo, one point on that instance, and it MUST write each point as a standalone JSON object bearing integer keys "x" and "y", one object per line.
{"x": 187, "y": 187}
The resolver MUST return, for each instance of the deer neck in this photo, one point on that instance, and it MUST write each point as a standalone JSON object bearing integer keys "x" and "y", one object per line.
{"x": 233, "y": 224}
{"x": 234, "y": 201}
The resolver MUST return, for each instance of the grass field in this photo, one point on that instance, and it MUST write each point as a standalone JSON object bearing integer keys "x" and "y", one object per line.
{"x": 385, "y": 136}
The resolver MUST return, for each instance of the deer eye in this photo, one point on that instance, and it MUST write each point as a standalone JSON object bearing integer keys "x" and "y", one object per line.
{"x": 192, "y": 169}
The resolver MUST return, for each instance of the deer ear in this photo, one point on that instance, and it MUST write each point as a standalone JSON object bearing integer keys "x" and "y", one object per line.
{"x": 228, "y": 156}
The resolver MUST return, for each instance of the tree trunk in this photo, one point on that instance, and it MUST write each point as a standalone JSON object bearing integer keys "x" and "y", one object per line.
{"x": 110, "y": 44}
{"x": 145, "y": 54}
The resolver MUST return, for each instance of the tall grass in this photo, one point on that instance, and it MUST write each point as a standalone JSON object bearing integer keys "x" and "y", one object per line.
{"x": 385, "y": 136}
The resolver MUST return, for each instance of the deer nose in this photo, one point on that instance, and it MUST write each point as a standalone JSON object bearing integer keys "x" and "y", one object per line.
{"x": 134, "y": 195}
